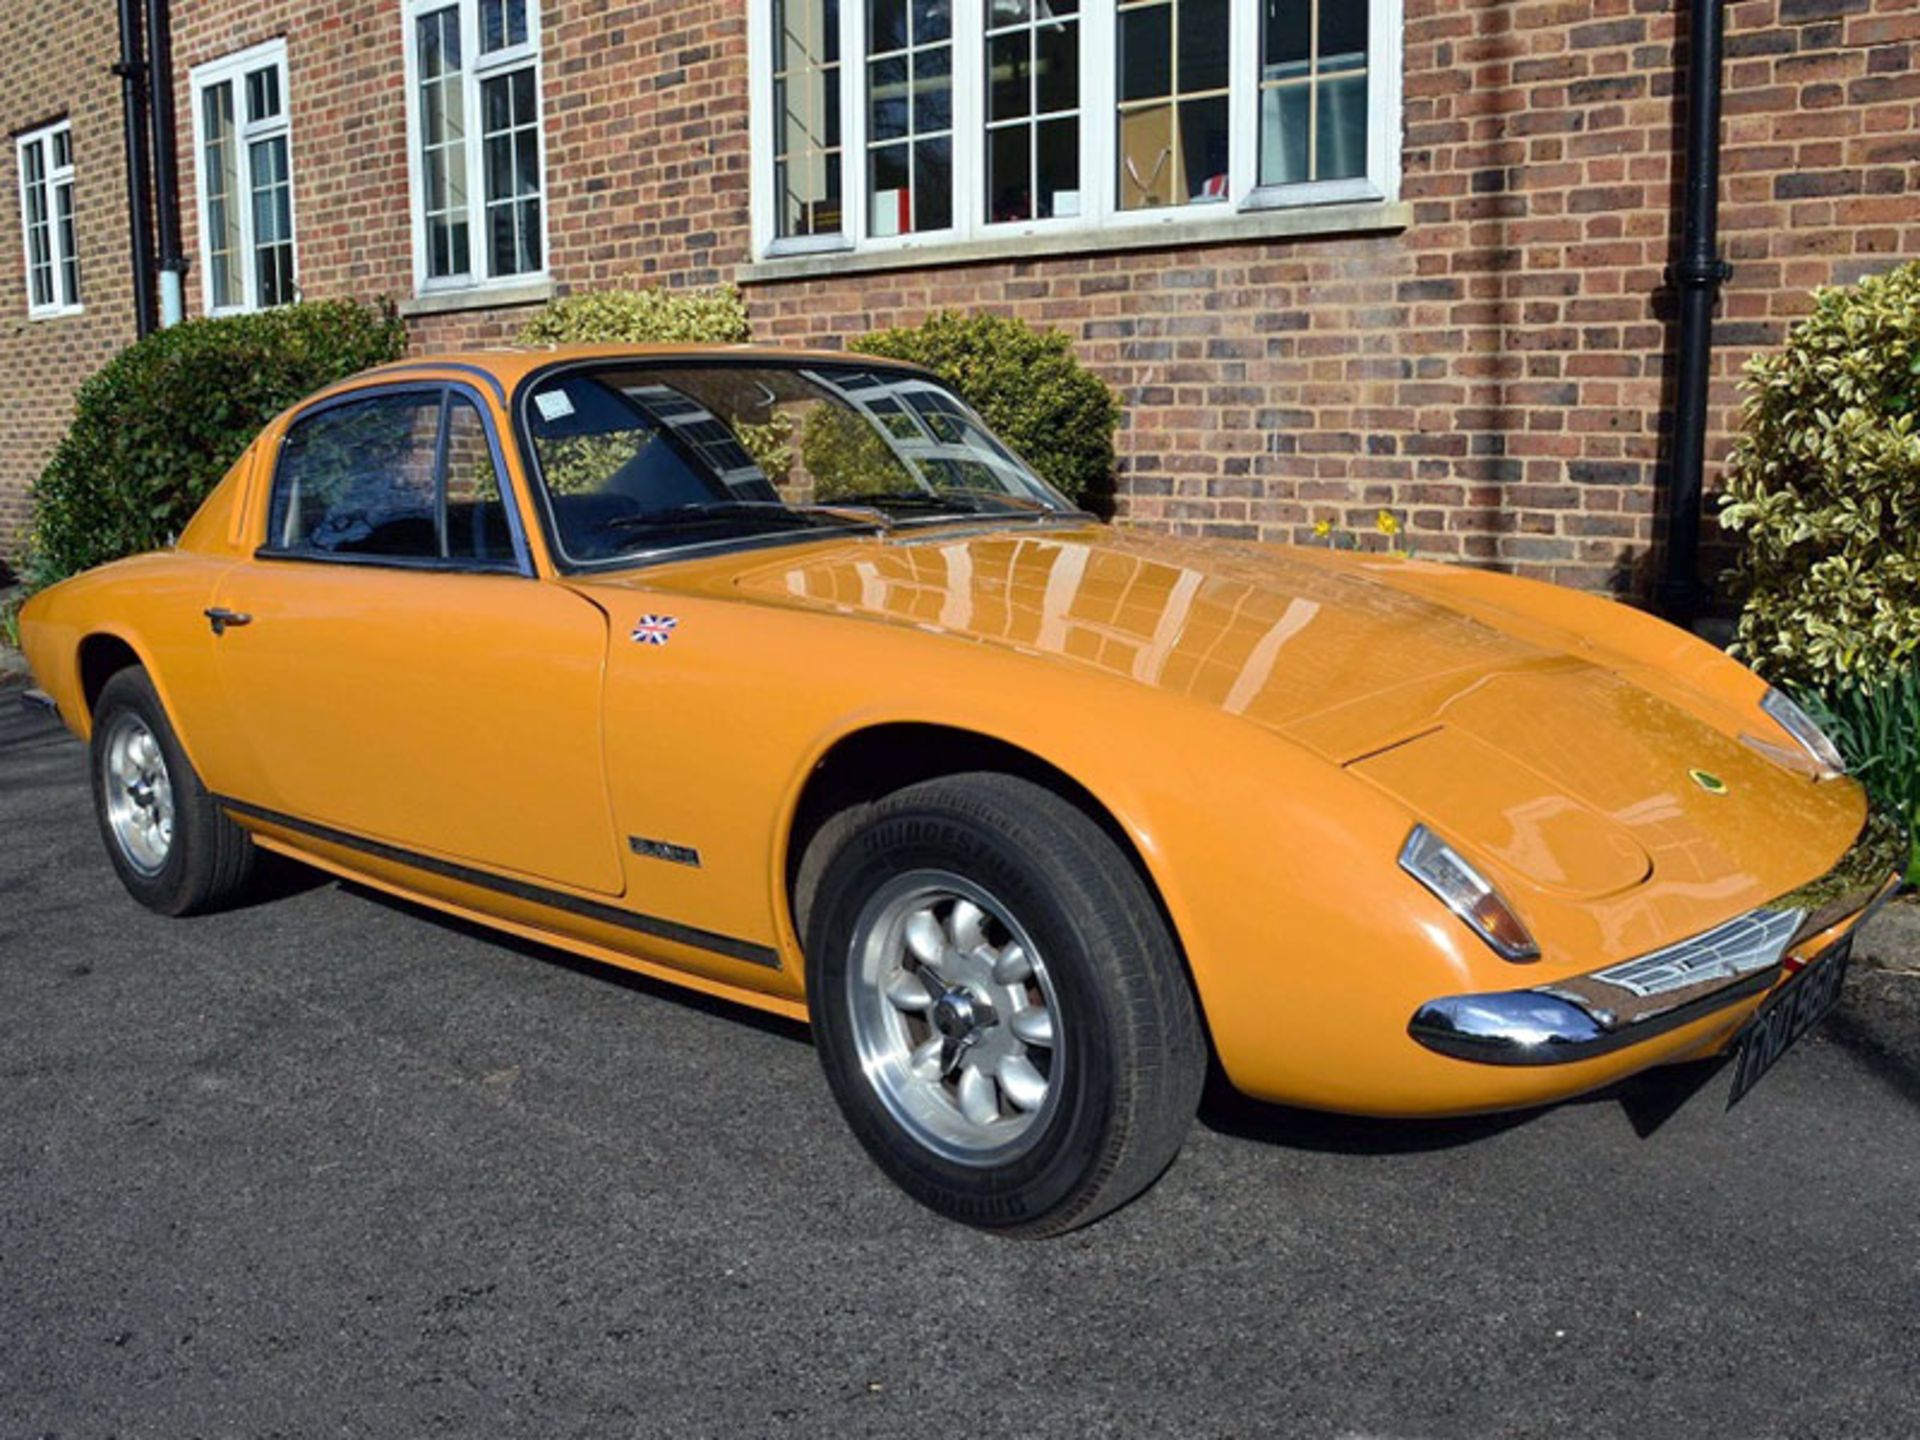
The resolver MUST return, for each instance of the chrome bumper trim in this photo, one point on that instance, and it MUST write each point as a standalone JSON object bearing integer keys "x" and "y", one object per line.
{"x": 1626, "y": 1004}
{"x": 38, "y": 700}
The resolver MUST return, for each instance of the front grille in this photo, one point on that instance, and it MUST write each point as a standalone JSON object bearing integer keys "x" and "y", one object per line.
{"x": 1740, "y": 947}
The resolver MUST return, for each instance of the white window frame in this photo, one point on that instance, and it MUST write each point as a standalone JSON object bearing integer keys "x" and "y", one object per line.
{"x": 66, "y": 300}
{"x": 474, "y": 69}
{"x": 1099, "y": 198}
{"x": 233, "y": 70}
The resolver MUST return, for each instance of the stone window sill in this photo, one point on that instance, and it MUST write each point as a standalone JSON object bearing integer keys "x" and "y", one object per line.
{"x": 478, "y": 297}
{"x": 1300, "y": 222}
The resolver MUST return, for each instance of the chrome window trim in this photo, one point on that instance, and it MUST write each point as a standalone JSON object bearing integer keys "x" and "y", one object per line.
{"x": 485, "y": 376}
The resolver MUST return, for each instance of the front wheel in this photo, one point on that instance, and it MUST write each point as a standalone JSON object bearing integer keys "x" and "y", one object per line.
{"x": 1001, "y": 1012}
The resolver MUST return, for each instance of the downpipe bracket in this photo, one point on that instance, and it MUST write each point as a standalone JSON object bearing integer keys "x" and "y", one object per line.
{"x": 1699, "y": 273}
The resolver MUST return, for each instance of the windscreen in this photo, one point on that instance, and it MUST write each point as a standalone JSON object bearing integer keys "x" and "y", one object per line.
{"x": 637, "y": 458}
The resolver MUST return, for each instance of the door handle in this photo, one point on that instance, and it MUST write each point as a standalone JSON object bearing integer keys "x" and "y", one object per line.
{"x": 221, "y": 618}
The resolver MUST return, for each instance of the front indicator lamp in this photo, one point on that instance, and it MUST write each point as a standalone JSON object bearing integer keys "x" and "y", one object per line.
{"x": 1787, "y": 714}
{"x": 1466, "y": 892}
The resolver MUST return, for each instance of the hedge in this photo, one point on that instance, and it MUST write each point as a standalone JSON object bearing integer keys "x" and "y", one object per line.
{"x": 158, "y": 426}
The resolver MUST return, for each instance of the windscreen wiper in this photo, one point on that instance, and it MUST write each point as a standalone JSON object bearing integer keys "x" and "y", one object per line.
{"x": 958, "y": 500}
{"x": 771, "y": 512}
{"x": 915, "y": 500}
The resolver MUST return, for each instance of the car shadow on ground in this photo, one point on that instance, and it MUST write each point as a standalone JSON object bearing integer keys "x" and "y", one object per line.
{"x": 1648, "y": 1100}
{"x": 275, "y": 878}
{"x": 25, "y": 727}
{"x": 1876, "y": 1026}
{"x": 601, "y": 970}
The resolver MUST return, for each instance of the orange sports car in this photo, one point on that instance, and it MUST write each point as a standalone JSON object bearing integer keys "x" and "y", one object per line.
{"x": 774, "y": 673}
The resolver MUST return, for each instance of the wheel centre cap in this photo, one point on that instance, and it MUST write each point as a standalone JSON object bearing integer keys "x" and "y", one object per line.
{"x": 957, "y": 1015}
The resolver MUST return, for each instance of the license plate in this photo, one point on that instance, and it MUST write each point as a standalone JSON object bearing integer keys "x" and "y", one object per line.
{"x": 1789, "y": 1013}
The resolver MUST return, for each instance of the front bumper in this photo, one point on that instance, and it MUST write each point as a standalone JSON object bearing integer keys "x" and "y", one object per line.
{"x": 1625, "y": 1004}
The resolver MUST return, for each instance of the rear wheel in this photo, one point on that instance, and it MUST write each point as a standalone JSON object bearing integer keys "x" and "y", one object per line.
{"x": 171, "y": 844}
{"x": 999, "y": 1007}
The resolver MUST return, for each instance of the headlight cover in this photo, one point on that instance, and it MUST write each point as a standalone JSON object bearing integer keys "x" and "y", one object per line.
{"x": 1466, "y": 892}
{"x": 1785, "y": 713}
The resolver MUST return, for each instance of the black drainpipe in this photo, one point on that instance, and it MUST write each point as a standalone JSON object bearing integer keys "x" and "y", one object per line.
{"x": 132, "y": 71}
{"x": 1698, "y": 276}
{"x": 166, "y": 176}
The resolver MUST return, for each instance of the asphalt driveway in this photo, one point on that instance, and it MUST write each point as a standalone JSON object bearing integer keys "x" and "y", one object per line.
{"x": 331, "y": 1165}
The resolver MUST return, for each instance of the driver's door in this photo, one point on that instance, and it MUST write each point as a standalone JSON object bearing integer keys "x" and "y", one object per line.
{"x": 396, "y": 667}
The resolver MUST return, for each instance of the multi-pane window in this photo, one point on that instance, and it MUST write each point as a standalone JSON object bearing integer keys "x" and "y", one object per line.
{"x": 1313, "y": 90}
{"x": 975, "y": 119}
{"x": 503, "y": 23}
{"x": 806, "y": 117}
{"x": 909, "y": 115}
{"x": 46, "y": 220}
{"x": 1175, "y": 87}
{"x": 443, "y": 143}
{"x": 1033, "y": 109}
{"x": 245, "y": 165}
{"x": 510, "y": 130}
{"x": 479, "y": 187}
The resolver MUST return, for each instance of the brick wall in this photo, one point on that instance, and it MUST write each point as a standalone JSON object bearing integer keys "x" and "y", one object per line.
{"x": 57, "y": 65}
{"x": 1497, "y": 371}
{"x": 646, "y": 115}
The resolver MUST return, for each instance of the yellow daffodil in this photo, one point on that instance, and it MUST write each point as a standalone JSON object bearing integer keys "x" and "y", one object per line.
{"x": 1322, "y": 529}
{"x": 1386, "y": 524}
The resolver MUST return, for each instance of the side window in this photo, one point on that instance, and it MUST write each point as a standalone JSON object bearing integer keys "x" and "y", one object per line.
{"x": 401, "y": 476}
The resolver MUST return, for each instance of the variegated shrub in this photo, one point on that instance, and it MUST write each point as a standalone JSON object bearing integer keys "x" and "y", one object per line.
{"x": 1824, "y": 490}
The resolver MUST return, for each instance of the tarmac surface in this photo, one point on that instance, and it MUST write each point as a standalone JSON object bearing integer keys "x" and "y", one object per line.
{"x": 334, "y": 1165}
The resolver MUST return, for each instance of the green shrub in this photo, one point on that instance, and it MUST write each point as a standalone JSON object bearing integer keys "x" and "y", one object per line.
{"x": 641, "y": 317}
{"x": 1028, "y": 385}
{"x": 1824, "y": 486}
{"x": 846, "y": 457}
{"x": 1876, "y": 724}
{"x": 158, "y": 425}
{"x": 652, "y": 316}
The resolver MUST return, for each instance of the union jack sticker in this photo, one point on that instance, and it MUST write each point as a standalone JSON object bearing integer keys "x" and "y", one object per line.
{"x": 655, "y": 629}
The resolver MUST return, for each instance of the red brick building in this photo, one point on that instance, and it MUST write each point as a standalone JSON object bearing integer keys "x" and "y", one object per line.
{"x": 1334, "y": 254}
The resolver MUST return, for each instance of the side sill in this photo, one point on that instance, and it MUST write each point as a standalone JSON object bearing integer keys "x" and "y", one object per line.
{"x": 691, "y": 936}
{"x": 761, "y": 1000}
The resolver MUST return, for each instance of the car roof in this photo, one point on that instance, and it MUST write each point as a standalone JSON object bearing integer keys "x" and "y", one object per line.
{"x": 512, "y": 364}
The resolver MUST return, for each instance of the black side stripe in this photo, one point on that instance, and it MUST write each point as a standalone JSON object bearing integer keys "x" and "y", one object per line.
{"x": 698, "y": 939}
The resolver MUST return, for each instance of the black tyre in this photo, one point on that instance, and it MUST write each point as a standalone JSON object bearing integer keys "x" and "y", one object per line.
{"x": 1000, "y": 1009}
{"x": 173, "y": 847}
